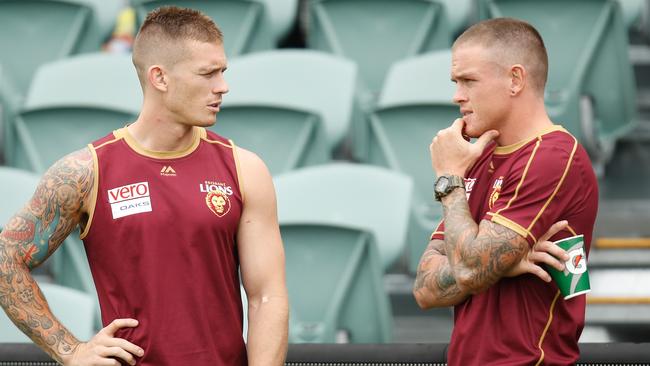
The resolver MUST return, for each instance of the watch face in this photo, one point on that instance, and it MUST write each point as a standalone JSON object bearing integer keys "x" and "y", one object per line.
{"x": 442, "y": 184}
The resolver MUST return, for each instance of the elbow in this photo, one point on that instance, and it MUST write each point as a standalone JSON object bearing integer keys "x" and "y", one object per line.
{"x": 422, "y": 300}
{"x": 427, "y": 299}
{"x": 471, "y": 282}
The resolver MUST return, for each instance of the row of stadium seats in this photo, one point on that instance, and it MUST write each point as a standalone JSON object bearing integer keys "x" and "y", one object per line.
{"x": 589, "y": 62}
{"x": 590, "y": 88}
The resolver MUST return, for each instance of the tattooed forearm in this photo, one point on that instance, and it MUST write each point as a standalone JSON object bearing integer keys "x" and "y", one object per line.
{"x": 478, "y": 254}
{"x": 30, "y": 237}
{"x": 435, "y": 284}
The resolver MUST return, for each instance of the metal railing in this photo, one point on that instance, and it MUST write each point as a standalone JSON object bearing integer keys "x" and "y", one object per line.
{"x": 420, "y": 354}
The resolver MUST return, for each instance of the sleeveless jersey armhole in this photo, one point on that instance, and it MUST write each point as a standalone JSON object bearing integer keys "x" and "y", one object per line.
{"x": 240, "y": 182}
{"x": 93, "y": 193}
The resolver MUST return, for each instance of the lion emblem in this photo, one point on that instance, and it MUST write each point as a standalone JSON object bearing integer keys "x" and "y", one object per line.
{"x": 218, "y": 202}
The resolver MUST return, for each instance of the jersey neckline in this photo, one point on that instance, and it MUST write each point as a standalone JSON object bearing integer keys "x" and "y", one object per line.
{"x": 508, "y": 149}
{"x": 198, "y": 133}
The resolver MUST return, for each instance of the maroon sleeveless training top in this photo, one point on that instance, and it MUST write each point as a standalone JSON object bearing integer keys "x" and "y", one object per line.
{"x": 161, "y": 243}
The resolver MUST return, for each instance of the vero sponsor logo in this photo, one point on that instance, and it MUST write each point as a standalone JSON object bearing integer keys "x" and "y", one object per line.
{"x": 131, "y": 191}
{"x": 129, "y": 199}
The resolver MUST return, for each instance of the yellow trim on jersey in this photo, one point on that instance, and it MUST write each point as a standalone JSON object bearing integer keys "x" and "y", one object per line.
{"x": 133, "y": 143}
{"x": 238, "y": 168}
{"x": 107, "y": 142}
{"x": 557, "y": 187}
{"x": 573, "y": 232}
{"x": 436, "y": 232}
{"x": 504, "y": 221}
{"x": 548, "y": 325}
{"x": 523, "y": 176}
{"x": 215, "y": 141}
{"x": 503, "y": 150}
{"x": 95, "y": 191}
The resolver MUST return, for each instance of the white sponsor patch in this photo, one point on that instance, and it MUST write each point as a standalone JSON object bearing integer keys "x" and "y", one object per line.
{"x": 130, "y": 199}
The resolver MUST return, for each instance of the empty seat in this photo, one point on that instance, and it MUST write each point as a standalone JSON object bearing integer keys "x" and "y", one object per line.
{"x": 38, "y": 31}
{"x": 16, "y": 189}
{"x": 245, "y": 23}
{"x": 415, "y": 103}
{"x": 376, "y": 33}
{"x": 292, "y": 107}
{"x": 282, "y": 14}
{"x": 75, "y": 310}
{"x": 460, "y": 14}
{"x": 369, "y": 198}
{"x": 591, "y": 88}
{"x": 334, "y": 280}
{"x": 71, "y": 103}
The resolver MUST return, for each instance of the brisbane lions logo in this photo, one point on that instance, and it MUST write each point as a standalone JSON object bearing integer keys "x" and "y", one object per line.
{"x": 218, "y": 202}
{"x": 496, "y": 191}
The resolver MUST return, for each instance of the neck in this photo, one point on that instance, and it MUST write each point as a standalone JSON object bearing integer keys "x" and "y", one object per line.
{"x": 526, "y": 120}
{"x": 157, "y": 130}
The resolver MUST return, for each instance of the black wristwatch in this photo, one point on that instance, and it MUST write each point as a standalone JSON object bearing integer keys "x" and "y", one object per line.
{"x": 445, "y": 184}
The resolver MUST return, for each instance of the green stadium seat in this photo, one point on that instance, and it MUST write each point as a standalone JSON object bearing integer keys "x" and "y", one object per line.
{"x": 591, "y": 87}
{"x": 71, "y": 103}
{"x": 342, "y": 226}
{"x": 38, "y": 31}
{"x": 633, "y": 11}
{"x": 460, "y": 14}
{"x": 292, "y": 107}
{"x": 245, "y": 24}
{"x": 282, "y": 14}
{"x": 415, "y": 103}
{"x": 75, "y": 310}
{"x": 335, "y": 285}
{"x": 17, "y": 188}
{"x": 366, "y": 197}
{"x": 376, "y": 33}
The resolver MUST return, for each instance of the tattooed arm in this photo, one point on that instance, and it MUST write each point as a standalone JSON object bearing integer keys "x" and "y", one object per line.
{"x": 494, "y": 252}
{"x": 478, "y": 254}
{"x": 30, "y": 237}
{"x": 435, "y": 284}
{"x": 470, "y": 259}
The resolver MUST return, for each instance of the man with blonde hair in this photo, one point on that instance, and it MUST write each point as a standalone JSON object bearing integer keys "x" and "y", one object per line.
{"x": 501, "y": 197}
{"x": 165, "y": 261}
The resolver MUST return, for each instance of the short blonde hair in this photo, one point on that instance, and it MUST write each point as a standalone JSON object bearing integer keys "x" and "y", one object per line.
{"x": 513, "y": 41}
{"x": 164, "y": 32}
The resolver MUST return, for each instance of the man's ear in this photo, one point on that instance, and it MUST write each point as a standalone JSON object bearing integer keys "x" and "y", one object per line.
{"x": 518, "y": 78}
{"x": 157, "y": 77}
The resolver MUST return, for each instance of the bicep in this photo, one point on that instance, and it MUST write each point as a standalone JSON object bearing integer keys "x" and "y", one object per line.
{"x": 53, "y": 212}
{"x": 259, "y": 243}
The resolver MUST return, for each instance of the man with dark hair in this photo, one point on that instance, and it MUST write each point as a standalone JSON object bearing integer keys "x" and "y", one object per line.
{"x": 170, "y": 214}
{"x": 500, "y": 195}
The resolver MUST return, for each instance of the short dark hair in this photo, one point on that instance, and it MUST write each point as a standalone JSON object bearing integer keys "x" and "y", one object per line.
{"x": 514, "y": 40}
